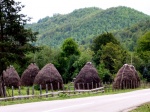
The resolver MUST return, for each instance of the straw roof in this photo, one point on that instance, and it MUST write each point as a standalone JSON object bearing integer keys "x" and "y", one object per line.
{"x": 1, "y": 92}
{"x": 49, "y": 75}
{"x": 29, "y": 74}
{"x": 87, "y": 78}
{"x": 127, "y": 77}
{"x": 11, "y": 77}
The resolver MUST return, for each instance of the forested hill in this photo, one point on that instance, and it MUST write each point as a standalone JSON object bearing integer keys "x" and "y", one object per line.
{"x": 129, "y": 36}
{"x": 84, "y": 24}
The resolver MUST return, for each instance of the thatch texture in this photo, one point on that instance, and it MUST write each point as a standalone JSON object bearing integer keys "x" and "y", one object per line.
{"x": 11, "y": 77}
{"x": 28, "y": 76}
{"x": 87, "y": 78}
{"x": 1, "y": 89}
{"x": 127, "y": 77}
{"x": 49, "y": 75}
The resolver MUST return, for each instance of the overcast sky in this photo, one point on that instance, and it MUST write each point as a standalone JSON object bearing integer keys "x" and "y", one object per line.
{"x": 38, "y": 9}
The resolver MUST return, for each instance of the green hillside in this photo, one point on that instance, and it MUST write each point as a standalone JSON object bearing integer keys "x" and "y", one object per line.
{"x": 84, "y": 24}
{"x": 128, "y": 37}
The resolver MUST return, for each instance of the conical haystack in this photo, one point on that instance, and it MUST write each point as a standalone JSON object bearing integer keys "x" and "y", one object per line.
{"x": 87, "y": 78}
{"x": 28, "y": 76}
{"x": 1, "y": 89}
{"x": 11, "y": 77}
{"x": 49, "y": 75}
{"x": 127, "y": 77}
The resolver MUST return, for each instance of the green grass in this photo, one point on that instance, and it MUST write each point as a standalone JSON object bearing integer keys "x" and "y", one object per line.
{"x": 143, "y": 108}
{"x": 23, "y": 91}
{"x": 60, "y": 97}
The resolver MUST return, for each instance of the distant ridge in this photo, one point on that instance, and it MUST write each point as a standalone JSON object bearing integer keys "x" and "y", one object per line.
{"x": 84, "y": 24}
{"x": 129, "y": 36}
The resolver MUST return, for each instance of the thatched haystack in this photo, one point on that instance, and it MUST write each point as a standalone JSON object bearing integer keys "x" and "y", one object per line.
{"x": 127, "y": 77}
{"x": 11, "y": 77}
{"x": 87, "y": 78}
{"x": 1, "y": 90}
{"x": 49, "y": 75}
{"x": 28, "y": 76}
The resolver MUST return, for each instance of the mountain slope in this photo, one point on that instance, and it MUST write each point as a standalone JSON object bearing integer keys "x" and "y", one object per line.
{"x": 84, "y": 24}
{"x": 129, "y": 36}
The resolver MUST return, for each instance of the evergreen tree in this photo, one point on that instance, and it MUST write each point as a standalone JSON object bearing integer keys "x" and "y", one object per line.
{"x": 15, "y": 40}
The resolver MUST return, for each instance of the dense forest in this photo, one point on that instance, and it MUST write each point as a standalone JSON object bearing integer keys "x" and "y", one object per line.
{"x": 108, "y": 38}
{"x": 129, "y": 36}
{"x": 84, "y": 24}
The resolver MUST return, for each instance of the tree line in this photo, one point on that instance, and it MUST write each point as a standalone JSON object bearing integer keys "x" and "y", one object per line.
{"x": 15, "y": 39}
{"x": 84, "y": 24}
{"x": 17, "y": 48}
{"x": 105, "y": 52}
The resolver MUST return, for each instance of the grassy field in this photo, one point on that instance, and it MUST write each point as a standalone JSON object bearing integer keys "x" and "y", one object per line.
{"x": 59, "y": 97}
{"x": 143, "y": 108}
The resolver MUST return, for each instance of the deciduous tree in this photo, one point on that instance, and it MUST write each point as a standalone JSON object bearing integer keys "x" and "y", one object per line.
{"x": 113, "y": 56}
{"x": 143, "y": 51}
{"x": 99, "y": 42}
{"x": 70, "y": 53}
{"x": 143, "y": 47}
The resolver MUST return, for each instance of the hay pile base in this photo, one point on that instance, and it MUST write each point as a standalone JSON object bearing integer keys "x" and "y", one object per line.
{"x": 1, "y": 90}
{"x": 127, "y": 77}
{"x": 11, "y": 77}
{"x": 49, "y": 75}
{"x": 87, "y": 78}
{"x": 28, "y": 76}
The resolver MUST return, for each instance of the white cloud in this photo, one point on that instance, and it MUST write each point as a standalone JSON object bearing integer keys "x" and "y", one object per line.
{"x": 42, "y": 8}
